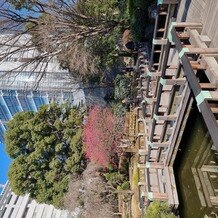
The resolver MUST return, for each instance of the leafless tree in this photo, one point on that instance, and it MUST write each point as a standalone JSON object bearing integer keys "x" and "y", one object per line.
{"x": 71, "y": 199}
{"x": 96, "y": 195}
{"x": 59, "y": 29}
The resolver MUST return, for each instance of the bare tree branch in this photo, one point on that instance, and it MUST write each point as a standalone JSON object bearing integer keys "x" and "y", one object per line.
{"x": 59, "y": 29}
{"x": 93, "y": 192}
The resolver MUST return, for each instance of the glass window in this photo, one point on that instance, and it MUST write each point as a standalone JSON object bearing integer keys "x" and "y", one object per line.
{"x": 12, "y": 104}
{"x": 3, "y": 111}
{"x": 24, "y": 103}
{"x": 38, "y": 101}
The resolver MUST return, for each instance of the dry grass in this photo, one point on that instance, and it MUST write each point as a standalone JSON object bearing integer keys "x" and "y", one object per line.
{"x": 136, "y": 212}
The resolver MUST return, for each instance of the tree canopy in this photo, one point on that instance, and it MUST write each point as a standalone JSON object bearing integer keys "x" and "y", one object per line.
{"x": 46, "y": 147}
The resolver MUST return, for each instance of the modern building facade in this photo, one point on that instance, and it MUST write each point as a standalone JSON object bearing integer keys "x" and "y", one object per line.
{"x": 25, "y": 87}
{"x": 13, "y": 206}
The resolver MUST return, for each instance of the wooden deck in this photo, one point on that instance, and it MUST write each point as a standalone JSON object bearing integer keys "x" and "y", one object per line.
{"x": 191, "y": 52}
{"x": 203, "y": 11}
{"x": 181, "y": 54}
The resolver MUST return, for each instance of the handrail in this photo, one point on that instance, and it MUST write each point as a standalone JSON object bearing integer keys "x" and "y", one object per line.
{"x": 201, "y": 99}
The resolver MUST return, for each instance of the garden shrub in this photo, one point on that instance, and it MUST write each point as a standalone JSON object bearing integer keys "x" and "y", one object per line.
{"x": 158, "y": 209}
{"x": 122, "y": 87}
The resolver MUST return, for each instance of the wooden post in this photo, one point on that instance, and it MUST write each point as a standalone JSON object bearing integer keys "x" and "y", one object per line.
{"x": 188, "y": 24}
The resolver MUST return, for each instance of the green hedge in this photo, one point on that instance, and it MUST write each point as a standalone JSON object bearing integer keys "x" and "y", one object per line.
{"x": 122, "y": 87}
{"x": 118, "y": 109}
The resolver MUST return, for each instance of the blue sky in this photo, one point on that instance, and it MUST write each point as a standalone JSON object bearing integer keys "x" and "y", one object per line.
{"x": 5, "y": 161}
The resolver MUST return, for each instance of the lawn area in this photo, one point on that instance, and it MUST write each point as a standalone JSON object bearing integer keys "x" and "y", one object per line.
{"x": 134, "y": 178}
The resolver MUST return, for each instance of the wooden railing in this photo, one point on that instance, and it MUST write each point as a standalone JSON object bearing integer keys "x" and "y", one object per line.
{"x": 200, "y": 80}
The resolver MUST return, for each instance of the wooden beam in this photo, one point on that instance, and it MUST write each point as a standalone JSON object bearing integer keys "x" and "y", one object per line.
{"x": 183, "y": 35}
{"x": 160, "y": 196}
{"x": 198, "y": 187}
{"x": 160, "y": 145}
{"x": 173, "y": 186}
{"x": 157, "y": 51}
{"x": 209, "y": 168}
{"x": 208, "y": 183}
{"x": 214, "y": 200}
{"x": 152, "y": 74}
{"x": 214, "y": 110}
{"x": 161, "y": 30}
{"x": 156, "y": 196}
{"x": 208, "y": 85}
{"x": 193, "y": 50}
{"x": 152, "y": 165}
{"x": 187, "y": 24}
{"x": 162, "y": 13}
{"x": 160, "y": 41}
{"x": 197, "y": 66}
{"x": 214, "y": 96}
{"x": 168, "y": 185}
{"x": 204, "y": 188}
{"x": 178, "y": 81}
{"x": 166, "y": 117}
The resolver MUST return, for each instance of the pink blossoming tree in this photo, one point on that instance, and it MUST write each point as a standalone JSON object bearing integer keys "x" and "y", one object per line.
{"x": 101, "y": 136}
